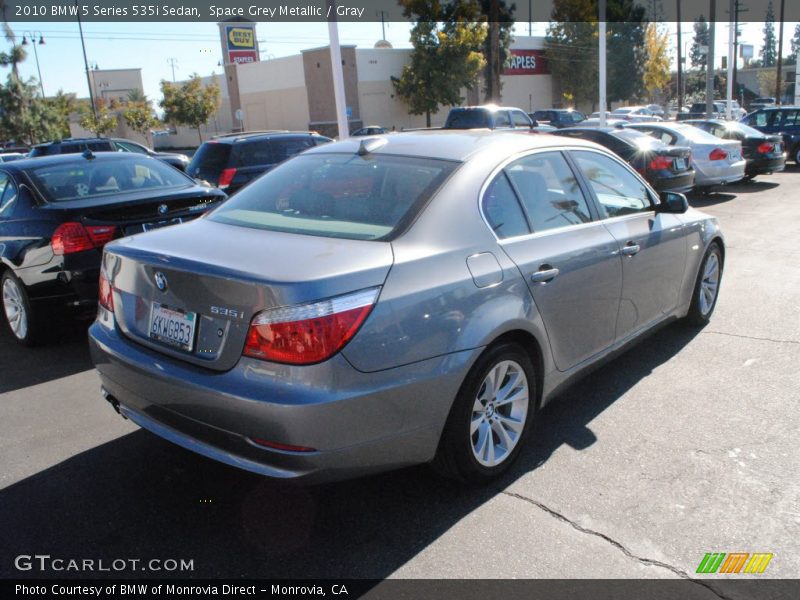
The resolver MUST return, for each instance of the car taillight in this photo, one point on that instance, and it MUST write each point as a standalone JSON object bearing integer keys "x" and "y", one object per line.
{"x": 308, "y": 333}
{"x": 660, "y": 163}
{"x": 718, "y": 154}
{"x": 766, "y": 148}
{"x": 105, "y": 295}
{"x": 226, "y": 177}
{"x": 72, "y": 237}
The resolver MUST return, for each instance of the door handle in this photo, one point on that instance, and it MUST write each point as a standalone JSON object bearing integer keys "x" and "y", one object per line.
{"x": 544, "y": 274}
{"x": 630, "y": 249}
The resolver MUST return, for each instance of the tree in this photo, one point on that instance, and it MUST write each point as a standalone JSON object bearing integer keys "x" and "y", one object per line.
{"x": 656, "y": 68}
{"x": 190, "y": 103}
{"x": 571, "y": 49}
{"x": 12, "y": 58}
{"x": 64, "y": 105}
{"x": 140, "y": 118}
{"x": 796, "y": 41}
{"x": 768, "y": 50}
{"x": 767, "y": 82}
{"x": 698, "y": 55}
{"x": 625, "y": 42}
{"x": 447, "y": 40}
{"x": 26, "y": 117}
{"x": 497, "y": 46}
{"x": 104, "y": 122}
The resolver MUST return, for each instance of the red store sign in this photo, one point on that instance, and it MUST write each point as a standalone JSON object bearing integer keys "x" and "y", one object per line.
{"x": 527, "y": 62}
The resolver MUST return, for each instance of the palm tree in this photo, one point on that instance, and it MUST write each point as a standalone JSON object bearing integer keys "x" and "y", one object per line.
{"x": 137, "y": 96}
{"x": 16, "y": 55}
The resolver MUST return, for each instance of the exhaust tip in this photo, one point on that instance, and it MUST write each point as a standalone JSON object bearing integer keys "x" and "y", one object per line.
{"x": 111, "y": 400}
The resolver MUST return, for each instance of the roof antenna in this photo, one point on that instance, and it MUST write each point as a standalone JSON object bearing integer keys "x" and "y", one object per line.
{"x": 88, "y": 154}
{"x": 371, "y": 144}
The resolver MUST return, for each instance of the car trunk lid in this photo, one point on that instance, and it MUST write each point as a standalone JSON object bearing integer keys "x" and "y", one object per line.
{"x": 219, "y": 276}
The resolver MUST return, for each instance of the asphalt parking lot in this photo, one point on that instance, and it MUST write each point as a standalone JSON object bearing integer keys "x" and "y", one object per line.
{"x": 686, "y": 444}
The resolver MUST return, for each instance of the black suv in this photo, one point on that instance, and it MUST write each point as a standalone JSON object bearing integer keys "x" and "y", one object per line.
{"x": 558, "y": 117}
{"x": 73, "y": 146}
{"x": 232, "y": 161}
{"x": 783, "y": 121}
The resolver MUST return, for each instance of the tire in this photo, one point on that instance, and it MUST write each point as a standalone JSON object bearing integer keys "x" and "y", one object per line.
{"x": 21, "y": 320}
{"x": 797, "y": 155}
{"x": 706, "y": 286}
{"x": 467, "y": 449}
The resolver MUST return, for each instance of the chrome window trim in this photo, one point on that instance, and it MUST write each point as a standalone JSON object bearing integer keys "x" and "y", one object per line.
{"x": 534, "y": 234}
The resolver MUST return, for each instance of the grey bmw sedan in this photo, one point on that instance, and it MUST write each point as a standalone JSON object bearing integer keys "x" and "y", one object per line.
{"x": 388, "y": 301}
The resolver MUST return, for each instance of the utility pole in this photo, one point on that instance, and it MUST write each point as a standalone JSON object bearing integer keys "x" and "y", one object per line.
{"x": 382, "y": 14}
{"x": 86, "y": 63}
{"x": 680, "y": 58}
{"x": 731, "y": 57}
{"x": 601, "y": 17}
{"x": 778, "y": 94}
{"x": 712, "y": 25}
{"x": 493, "y": 62}
{"x": 172, "y": 62}
{"x": 737, "y": 9}
{"x": 530, "y": 19}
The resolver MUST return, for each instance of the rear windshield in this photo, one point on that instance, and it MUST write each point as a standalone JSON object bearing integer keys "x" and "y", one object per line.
{"x": 742, "y": 128}
{"x": 468, "y": 119}
{"x": 641, "y": 140}
{"x": 211, "y": 156}
{"x": 696, "y": 135}
{"x": 85, "y": 179}
{"x": 337, "y": 195}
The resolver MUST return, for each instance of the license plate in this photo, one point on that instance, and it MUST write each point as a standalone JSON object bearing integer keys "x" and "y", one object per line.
{"x": 172, "y": 327}
{"x": 680, "y": 164}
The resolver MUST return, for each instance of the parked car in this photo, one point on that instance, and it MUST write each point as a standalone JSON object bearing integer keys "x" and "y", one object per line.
{"x": 720, "y": 111}
{"x": 764, "y": 153}
{"x": 783, "y": 121}
{"x": 232, "y": 161}
{"x": 57, "y": 213}
{"x": 657, "y": 110}
{"x": 382, "y": 302}
{"x": 760, "y": 103}
{"x": 72, "y": 146}
{"x": 634, "y": 114}
{"x": 10, "y": 156}
{"x": 558, "y": 117}
{"x": 488, "y": 116}
{"x": 715, "y": 162}
{"x": 664, "y": 167}
{"x": 176, "y": 159}
{"x": 369, "y": 130}
{"x": 595, "y": 121}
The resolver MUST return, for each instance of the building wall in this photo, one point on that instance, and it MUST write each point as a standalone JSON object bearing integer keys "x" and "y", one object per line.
{"x": 115, "y": 84}
{"x": 319, "y": 87}
{"x": 273, "y": 94}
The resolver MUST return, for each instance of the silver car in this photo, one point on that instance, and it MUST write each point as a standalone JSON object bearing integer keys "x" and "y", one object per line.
{"x": 395, "y": 300}
{"x": 715, "y": 161}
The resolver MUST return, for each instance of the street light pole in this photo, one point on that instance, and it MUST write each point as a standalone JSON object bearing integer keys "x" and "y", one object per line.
{"x": 731, "y": 59}
{"x": 680, "y": 58}
{"x": 32, "y": 35}
{"x": 778, "y": 94}
{"x": 86, "y": 63}
{"x": 712, "y": 25}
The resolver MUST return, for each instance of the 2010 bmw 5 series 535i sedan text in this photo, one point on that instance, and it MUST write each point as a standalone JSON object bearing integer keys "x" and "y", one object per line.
{"x": 393, "y": 300}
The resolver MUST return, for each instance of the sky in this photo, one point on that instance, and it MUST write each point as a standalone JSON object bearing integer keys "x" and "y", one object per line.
{"x": 196, "y": 47}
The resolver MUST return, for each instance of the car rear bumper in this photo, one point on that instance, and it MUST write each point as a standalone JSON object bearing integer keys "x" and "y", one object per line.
{"x": 673, "y": 183}
{"x": 761, "y": 166}
{"x": 354, "y": 423}
{"x": 708, "y": 174}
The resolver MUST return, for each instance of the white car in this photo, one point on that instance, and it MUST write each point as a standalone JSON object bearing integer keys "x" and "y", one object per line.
{"x": 635, "y": 114}
{"x": 715, "y": 161}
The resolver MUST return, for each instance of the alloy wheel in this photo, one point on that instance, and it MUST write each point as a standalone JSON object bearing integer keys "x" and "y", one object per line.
{"x": 709, "y": 284}
{"x": 14, "y": 306}
{"x": 499, "y": 413}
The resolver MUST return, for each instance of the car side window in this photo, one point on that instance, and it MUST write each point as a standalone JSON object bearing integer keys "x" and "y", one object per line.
{"x": 255, "y": 153}
{"x": 618, "y": 191}
{"x": 501, "y": 119}
{"x": 520, "y": 119}
{"x": 760, "y": 119}
{"x": 788, "y": 118}
{"x": 502, "y": 209}
{"x": 284, "y": 149}
{"x": 549, "y": 191}
{"x": 8, "y": 197}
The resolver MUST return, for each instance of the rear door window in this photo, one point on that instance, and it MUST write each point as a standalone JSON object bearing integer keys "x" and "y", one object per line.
{"x": 549, "y": 191}
{"x": 8, "y": 195}
{"x": 286, "y": 148}
{"x": 501, "y": 119}
{"x": 255, "y": 153}
{"x": 502, "y": 209}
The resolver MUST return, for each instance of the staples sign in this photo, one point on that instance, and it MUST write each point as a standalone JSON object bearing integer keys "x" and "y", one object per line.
{"x": 526, "y": 62}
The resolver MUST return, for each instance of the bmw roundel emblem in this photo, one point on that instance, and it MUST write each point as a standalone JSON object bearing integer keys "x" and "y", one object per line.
{"x": 161, "y": 281}
{"x": 162, "y": 209}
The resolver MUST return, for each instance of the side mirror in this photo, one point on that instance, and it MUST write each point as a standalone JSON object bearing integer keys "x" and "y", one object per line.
{"x": 673, "y": 202}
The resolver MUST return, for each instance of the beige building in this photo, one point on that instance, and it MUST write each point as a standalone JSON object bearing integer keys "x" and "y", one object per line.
{"x": 296, "y": 92}
{"x": 115, "y": 84}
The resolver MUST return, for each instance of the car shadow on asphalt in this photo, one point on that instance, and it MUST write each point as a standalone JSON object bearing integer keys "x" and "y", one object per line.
{"x": 141, "y": 497}
{"x": 703, "y": 201}
{"x": 65, "y": 353}
{"x": 751, "y": 187}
